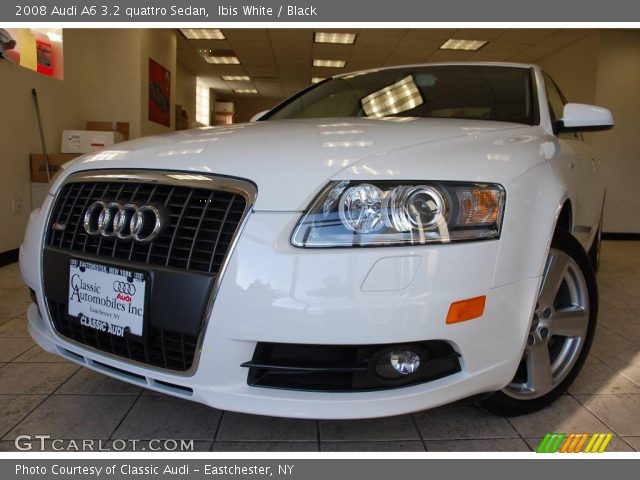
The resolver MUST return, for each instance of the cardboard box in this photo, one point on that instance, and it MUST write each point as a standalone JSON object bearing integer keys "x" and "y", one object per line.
{"x": 122, "y": 127}
{"x": 39, "y": 170}
{"x": 87, "y": 141}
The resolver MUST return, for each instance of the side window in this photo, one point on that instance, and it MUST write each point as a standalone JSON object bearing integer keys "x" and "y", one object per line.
{"x": 555, "y": 98}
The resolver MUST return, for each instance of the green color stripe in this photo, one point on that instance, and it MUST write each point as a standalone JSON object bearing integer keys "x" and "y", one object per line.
{"x": 542, "y": 447}
{"x": 551, "y": 443}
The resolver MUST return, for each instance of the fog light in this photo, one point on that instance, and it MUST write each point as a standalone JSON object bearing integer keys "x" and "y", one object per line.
{"x": 397, "y": 364}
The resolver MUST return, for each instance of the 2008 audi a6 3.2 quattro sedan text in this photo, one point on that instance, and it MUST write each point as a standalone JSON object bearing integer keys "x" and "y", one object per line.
{"x": 382, "y": 242}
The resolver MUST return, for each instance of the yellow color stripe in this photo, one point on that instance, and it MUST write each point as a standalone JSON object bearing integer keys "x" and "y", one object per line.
{"x": 597, "y": 443}
{"x": 605, "y": 443}
{"x": 593, "y": 439}
{"x": 583, "y": 439}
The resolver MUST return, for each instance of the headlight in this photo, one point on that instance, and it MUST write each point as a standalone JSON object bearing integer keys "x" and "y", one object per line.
{"x": 350, "y": 213}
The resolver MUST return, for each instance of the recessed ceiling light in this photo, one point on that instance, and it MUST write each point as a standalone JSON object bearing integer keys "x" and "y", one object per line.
{"x": 316, "y": 79}
{"x": 203, "y": 33}
{"x": 235, "y": 78}
{"x": 219, "y": 57}
{"x": 457, "y": 44}
{"x": 246, "y": 90}
{"x": 223, "y": 60}
{"x": 329, "y": 63}
{"x": 344, "y": 38}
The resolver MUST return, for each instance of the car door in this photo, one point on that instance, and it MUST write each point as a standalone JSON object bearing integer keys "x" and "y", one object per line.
{"x": 583, "y": 171}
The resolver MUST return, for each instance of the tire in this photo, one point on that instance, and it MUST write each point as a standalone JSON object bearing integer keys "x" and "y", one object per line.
{"x": 573, "y": 306}
{"x": 594, "y": 251}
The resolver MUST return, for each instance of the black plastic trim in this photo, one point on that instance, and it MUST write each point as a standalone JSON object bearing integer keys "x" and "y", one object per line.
{"x": 9, "y": 257}
{"x": 560, "y": 128}
{"x": 344, "y": 368}
{"x": 620, "y": 236}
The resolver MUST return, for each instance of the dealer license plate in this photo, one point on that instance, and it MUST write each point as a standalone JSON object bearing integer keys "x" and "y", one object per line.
{"x": 106, "y": 298}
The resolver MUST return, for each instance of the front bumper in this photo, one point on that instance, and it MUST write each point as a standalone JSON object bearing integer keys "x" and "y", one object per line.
{"x": 273, "y": 292}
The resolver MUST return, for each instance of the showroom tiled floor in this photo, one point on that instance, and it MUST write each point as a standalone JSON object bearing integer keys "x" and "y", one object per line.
{"x": 42, "y": 394}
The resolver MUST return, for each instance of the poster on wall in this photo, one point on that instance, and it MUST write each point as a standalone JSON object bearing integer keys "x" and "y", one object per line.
{"x": 44, "y": 56}
{"x": 159, "y": 94}
{"x": 38, "y": 49}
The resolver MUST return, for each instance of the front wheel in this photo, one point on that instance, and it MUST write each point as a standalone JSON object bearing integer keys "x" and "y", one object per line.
{"x": 561, "y": 332}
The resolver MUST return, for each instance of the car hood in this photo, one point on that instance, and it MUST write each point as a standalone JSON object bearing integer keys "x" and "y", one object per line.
{"x": 291, "y": 160}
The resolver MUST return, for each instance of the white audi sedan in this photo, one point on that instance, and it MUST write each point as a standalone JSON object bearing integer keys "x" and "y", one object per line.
{"x": 383, "y": 242}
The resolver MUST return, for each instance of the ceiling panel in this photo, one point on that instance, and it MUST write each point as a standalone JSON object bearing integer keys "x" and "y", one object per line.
{"x": 478, "y": 33}
{"x": 527, "y": 35}
{"x": 261, "y": 71}
{"x": 450, "y": 56}
{"x": 438, "y": 34}
{"x": 246, "y": 34}
{"x": 279, "y": 61}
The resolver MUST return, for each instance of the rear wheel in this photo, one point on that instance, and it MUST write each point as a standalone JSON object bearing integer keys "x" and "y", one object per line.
{"x": 561, "y": 332}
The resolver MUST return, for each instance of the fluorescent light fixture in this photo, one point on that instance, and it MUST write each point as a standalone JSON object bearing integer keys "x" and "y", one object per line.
{"x": 246, "y": 90}
{"x": 316, "y": 79}
{"x": 236, "y": 78}
{"x": 329, "y": 63}
{"x": 203, "y": 33}
{"x": 343, "y": 38}
{"x": 457, "y": 44}
{"x": 224, "y": 58}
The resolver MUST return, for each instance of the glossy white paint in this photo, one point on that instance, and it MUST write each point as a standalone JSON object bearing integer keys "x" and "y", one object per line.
{"x": 258, "y": 116}
{"x": 272, "y": 291}
{"x": 392, "y": 273}
{"x": 578, "y": 115}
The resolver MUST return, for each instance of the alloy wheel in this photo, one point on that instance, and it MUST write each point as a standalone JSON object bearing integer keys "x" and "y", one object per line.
{"x": 558, "y": 329}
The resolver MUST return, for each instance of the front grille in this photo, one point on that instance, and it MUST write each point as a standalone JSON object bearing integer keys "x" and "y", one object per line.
{"x": 182, "y": 264}
{"x": 201, "y": 224}
{"x": 160, "y": 348}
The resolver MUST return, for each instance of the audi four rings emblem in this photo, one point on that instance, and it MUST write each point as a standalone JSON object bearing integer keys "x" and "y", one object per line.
{"x": 124, "y": 287}
{"x": 126, "y": 222}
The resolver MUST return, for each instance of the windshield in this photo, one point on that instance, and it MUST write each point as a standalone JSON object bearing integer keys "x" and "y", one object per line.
{"x": 481, "y": 92}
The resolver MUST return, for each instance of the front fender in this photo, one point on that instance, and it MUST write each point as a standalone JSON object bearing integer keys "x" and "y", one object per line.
{"x": 31, "y": 248}
{"x": 534, "y": 201}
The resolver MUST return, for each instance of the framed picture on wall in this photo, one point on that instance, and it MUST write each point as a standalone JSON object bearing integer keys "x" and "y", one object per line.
{"x": 159, "y": 94}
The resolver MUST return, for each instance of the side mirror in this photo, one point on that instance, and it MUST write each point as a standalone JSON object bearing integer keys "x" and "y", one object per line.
{"x": 578, "y": 117}
{"x": 258, "y": 116}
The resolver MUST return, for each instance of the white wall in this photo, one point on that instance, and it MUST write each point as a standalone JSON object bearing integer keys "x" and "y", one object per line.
{"x": 64, "y": 105}
{"x": 160, "y": 45}
{"x": 120, "y": 79}
{"x": 604, "y": 69}
{"x": 106, "y": 79}
{"x": 185, "y": 91}
{"x": 618, "y": 88}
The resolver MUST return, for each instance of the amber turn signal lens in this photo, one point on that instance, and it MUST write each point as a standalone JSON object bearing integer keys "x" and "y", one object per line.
{"x": 479, "y": 206}
{"x": 466, "y": 309}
